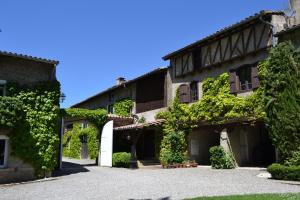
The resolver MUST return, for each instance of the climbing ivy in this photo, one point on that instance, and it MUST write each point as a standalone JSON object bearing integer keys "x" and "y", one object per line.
{"x": 11, "y": 111}
{"x": 72, "y": 141}
{"x": 216, "y": 106}
{"x": 97, "y": 117}
{"x": 281, "y": 86}
{"x": 123, "y": 107}
{"x": 34, "y": 122}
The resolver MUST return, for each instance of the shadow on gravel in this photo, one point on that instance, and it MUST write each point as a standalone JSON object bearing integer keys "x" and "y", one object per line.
{"x": 71, "y": 168}
{"x": 164, "y": 198}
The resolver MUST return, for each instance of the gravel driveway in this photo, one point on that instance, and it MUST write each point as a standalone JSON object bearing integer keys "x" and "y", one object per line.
{"x": 92, "y": 182}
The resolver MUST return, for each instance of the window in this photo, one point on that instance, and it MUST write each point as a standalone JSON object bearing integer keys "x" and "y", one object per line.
{"x": 194, "y": 91}
{"x": 110, "y": 109}
{"x": 3, "y": 151}
{"x": 244, "y": 78}
{"x": 2, "y": 90}
{"x": 111, "y": 97}
{"x": 184, "y": 93}
{"x": 2, "y": 87}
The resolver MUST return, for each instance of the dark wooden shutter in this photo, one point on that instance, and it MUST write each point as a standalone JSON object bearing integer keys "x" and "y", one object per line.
{"x": 184, "y": 93}
{"x": 233, "y": 82}
{"x": 254, "y": 77}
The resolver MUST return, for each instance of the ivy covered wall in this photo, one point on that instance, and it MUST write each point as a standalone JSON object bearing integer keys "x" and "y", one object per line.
{"x": 216, "y": 106}
{"x": 32, "y": 115}
{"x": 72, "y": 141}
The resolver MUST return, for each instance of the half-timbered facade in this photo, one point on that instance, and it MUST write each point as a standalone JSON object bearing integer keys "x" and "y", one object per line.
{"x": 235, "y": 50}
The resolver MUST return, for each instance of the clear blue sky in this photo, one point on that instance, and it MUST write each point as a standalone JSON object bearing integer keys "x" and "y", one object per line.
{"x": 98, "y": 41}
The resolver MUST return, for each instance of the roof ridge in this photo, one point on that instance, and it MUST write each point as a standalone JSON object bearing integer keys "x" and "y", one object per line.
{"x": 28, "y": 57}
{"x": 222, "y": 30}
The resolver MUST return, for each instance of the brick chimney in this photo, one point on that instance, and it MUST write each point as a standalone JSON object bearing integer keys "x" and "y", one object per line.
{"x": 121, "y": 80}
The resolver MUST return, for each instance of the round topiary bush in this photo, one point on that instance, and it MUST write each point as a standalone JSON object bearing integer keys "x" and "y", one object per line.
{"x": 121, "y": 159}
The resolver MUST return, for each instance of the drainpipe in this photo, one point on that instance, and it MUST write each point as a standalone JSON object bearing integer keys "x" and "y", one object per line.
{"x": 274, "y": 31}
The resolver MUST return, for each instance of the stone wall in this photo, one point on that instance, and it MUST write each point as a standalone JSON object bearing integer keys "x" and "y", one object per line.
{"x": 213, "y": 72}
{"x": 16, "y": 170}
{"x": 25, "y": 71}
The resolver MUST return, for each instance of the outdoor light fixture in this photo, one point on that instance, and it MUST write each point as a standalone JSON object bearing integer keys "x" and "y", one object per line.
{"x": 128, "y": 137}
{"x": 62, "y": 97}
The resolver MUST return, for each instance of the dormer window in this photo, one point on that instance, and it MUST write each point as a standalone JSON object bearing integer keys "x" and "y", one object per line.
{"x": 2, "y": 87}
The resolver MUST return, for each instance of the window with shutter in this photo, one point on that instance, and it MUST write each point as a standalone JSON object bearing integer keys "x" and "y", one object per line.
{"x": 254, "y": 76}
{"x": 2, "y": 87}
{"x": 194, "y": 91}
{"x": 244, "y": 78}
{"x": 233, "y": 82}
{"x": 184, "y": 93}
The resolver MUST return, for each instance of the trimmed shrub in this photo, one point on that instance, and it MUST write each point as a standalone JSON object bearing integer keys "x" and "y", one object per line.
{"x": 294, "y": 160}
{"x": 282, "y": 172}
{"x": 220, "y": 159}
{"x": 121, "y": 159}
{"x": 173, "y": 148}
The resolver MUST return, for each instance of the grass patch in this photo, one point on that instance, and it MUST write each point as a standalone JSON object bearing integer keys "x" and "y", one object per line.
{"x": 254, "y": 197}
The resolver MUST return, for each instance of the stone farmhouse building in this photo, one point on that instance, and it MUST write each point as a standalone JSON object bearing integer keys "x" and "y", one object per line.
{"x": 24, "y": 70}
{"x": 236, "y": 50}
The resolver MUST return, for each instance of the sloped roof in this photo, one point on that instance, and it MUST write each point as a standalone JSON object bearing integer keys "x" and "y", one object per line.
{"x": 157, "y": 70}
{"x": 288, "y": 30}
{"x": 224, "y": 30}
{"x": 27, "y": 57}
{"x": 140, "y": 126}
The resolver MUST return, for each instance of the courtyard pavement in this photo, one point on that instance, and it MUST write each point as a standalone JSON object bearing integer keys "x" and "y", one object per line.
{"x": 82, "y": 180}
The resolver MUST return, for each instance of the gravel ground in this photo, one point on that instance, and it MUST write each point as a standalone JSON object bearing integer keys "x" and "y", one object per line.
{"x": 92, "y": 182}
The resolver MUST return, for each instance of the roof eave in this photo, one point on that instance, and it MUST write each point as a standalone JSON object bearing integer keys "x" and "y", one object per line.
{"x": 221, "y": 32}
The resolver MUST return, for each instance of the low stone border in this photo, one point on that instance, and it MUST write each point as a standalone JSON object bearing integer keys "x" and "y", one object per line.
{"x": 169, "y": 166}
{"x": 28, "y": 182}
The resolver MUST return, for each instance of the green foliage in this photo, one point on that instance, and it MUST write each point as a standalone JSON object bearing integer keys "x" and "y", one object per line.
{"x": 294, "y": 160}
{"x": 284, "y": 196}
{"x": 281, "y": 86}
{"x": 123, "y": 107}
{"x": 92, "y": 135}
{"x": 72, "y": 141}
{"x": 282, "y": 172}
{"x": 178, "y": 117}
{"x": 11, "y": 111}
{"x": 121, "y": 159}
{"x": 218, "y": 104}
{"x": 97, "y": 117}
{"x": 34, "y": 138}
{"x": 220, "y": 159}
{"x": 142, "y": 120}
{"x": 173, "y": 148}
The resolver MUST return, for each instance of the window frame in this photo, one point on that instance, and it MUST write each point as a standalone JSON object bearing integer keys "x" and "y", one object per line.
{"x": 194, "y": 92}
{"x": 3, "y": 87}
{"x": 6, "y": 139}
{"x": 108, "y": 109}
{"x": 248, "y": 85}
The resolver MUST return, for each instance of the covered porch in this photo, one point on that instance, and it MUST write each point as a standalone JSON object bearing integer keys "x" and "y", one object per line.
{"x": 247, "y": 140}
{"x": 142, "y": 140}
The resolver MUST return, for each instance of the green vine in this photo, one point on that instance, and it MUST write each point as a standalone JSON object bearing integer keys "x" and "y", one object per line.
{"x": 11, "y": 111}
{"x": 123, "y": 107}
{"x": 216, "y": 107}
{"x": 97, "y": 117}
{"x": 35, "y": 122}
{"x": 72, "y": 141}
